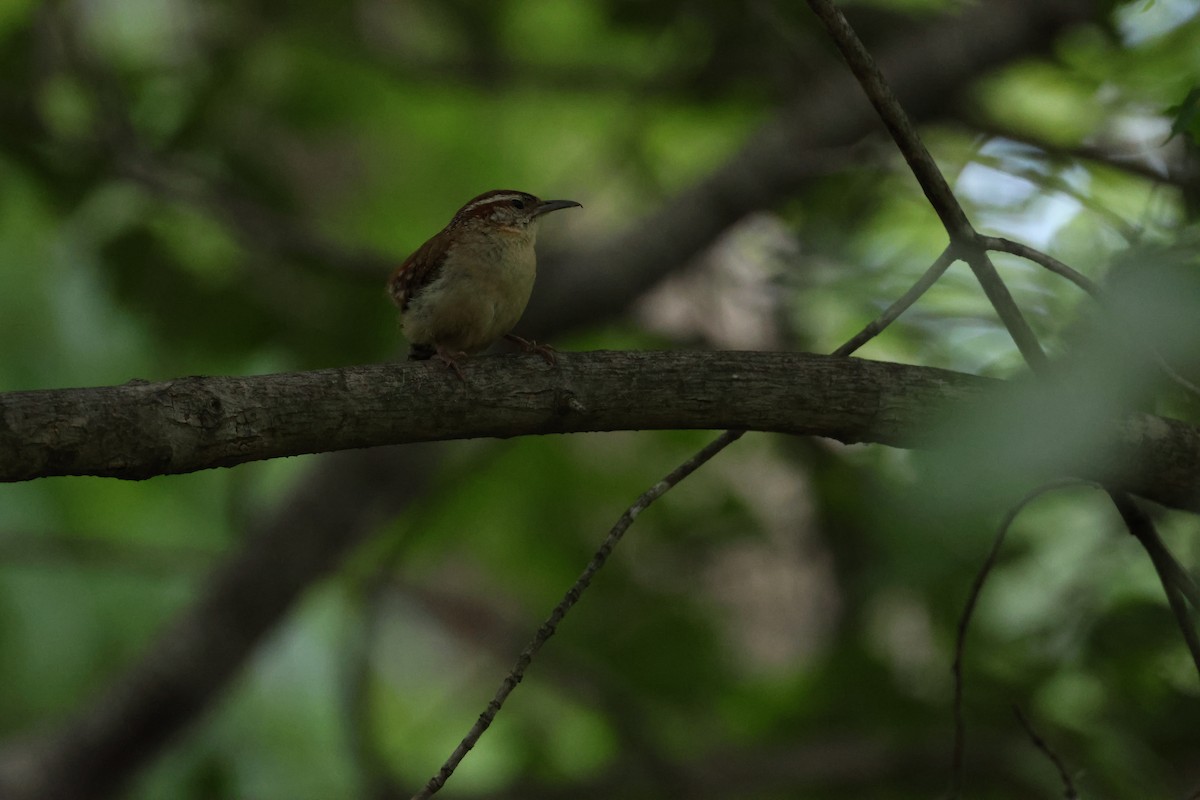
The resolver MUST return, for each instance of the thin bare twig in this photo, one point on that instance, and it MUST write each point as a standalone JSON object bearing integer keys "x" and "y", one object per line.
{"x": 1176, "y": 582}
{"x": 797, "y": 43}
{"x": 896, "y": 120}
{"x": 963, "y": 237}
{"x": 1088, "y": 285}
{"x": 570, "y": 599}
{"x": 964, "y": 622}
{"x": 1069, "y": 792}
{"x": 1046, "y": 260}
{"x": 892, "y": 312}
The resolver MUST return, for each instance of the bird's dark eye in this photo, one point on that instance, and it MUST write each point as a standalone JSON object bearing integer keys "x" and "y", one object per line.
{"x": 518, "y": 203}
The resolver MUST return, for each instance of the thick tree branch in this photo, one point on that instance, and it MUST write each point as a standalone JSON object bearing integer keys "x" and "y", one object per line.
{"x": 140, "y": 430}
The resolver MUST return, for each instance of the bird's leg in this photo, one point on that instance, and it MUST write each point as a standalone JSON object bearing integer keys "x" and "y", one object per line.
{"x": 451, "y": 358}
{"x": 544, "y": 350}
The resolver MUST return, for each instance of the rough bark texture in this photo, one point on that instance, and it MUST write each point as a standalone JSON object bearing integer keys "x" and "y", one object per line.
{"x": 141, "y": 430}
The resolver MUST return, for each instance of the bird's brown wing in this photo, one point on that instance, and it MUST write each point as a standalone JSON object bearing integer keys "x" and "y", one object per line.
{"x": 418, "y": 271}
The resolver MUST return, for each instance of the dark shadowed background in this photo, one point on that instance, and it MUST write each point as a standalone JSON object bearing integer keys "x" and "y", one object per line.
{"x": 198, "y": 187}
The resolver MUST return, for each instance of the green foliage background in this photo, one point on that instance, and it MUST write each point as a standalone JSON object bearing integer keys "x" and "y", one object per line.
{"x": 781, "y": 625}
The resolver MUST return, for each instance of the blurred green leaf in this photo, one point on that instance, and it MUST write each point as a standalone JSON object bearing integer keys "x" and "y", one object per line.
{"x": 1185, "y": 116}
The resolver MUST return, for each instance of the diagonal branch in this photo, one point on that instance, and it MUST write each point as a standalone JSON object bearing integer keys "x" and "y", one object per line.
{"x": 963, "y": 237}
{"x": 1069, "y": 791}
{"x": 923, "y": 284}
{"x": 1043, "y": 259}
{"x": 1176, "y": 581}
{"x": 699, "y": 459}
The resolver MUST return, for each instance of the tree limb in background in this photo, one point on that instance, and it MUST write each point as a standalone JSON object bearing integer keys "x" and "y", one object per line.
{"x": 596, "y": 281}
{"x": 200, "y": 650}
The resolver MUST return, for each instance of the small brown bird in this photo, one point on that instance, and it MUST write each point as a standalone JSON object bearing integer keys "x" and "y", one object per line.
{"x": 467, "y": 286}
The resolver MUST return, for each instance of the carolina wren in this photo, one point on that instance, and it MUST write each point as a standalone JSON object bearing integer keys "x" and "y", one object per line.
{"x": 466, "y": 287}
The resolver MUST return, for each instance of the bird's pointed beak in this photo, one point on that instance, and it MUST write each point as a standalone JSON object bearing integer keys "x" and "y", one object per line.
{"x": 554, "y": 205}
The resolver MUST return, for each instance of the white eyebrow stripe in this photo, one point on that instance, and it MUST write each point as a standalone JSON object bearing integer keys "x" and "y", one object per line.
{"x": 488, "y": 199}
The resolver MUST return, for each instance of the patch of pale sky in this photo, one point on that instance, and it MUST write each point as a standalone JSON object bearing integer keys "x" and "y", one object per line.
{"x": 1014, "y": 206}
{"x": 1147, "y": 19}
